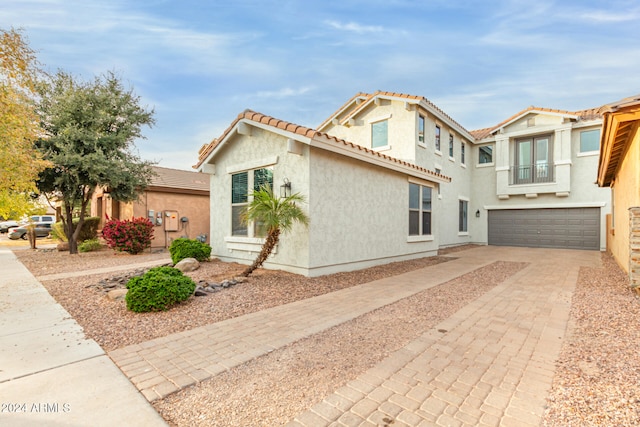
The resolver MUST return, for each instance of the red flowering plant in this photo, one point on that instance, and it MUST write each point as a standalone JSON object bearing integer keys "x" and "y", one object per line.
{"x": 132, "y": 236}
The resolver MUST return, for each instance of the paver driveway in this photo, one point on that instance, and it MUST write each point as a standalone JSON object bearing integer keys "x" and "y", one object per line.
{"x": 491, "y": 363}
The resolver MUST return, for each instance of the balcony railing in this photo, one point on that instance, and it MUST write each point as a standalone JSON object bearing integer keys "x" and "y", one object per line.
{"x": 531, "y": 174}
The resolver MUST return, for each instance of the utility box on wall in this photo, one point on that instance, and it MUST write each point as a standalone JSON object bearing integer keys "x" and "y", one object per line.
{"x": 171, "y": 221}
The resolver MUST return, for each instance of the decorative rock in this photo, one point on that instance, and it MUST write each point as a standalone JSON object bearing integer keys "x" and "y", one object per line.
{"x": 117, "y": 294}
{"x": 188, "y": 264}
{"x": 63, "y": 246}
{"x": 200, "y": 292}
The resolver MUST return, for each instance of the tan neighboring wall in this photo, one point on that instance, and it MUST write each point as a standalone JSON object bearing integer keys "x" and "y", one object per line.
{"x": 619, "y": 168}
{"x": 179, "y": 201}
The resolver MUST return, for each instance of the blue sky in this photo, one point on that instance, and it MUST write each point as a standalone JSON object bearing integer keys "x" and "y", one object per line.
{"x": 199, "y": 63}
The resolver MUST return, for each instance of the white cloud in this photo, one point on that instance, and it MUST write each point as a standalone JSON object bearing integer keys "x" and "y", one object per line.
{"x": 354, "y": 27}
{"x": 600, "y": 16}
{"x": 286, "y": 92}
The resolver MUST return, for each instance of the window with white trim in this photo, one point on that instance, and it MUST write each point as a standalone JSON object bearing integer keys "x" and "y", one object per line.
{"x": 463, "y": 210}
{"x": 419, "y": 210}
{"x": 451, "y": 146}
{"x": 462, "y": 152}
{"x": 380, "y": 134}
{"x": 485, "y": 154}
{"x": 437, "y": 138}
{"x": 240, "y": 184}
{"x": 421, "y": 122}
{"x": 590, "y": 141}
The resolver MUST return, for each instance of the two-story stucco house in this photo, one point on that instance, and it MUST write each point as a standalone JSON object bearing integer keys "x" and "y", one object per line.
{"x": 390, "y": 176}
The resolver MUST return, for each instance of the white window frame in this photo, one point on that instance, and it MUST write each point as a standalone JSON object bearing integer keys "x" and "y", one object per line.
{"x": 590, "y": 152}
{"x": 463, "y": 229}
{"x": 451, "y": 145}
{"x": 421, "y": 236}
{"x": 493, "y": 152}
{"x": 423, "y": 119}
{"x": 251, "y": 227}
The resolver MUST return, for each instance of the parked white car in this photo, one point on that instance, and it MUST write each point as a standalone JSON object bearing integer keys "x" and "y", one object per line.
{"x": 6, "y": 225}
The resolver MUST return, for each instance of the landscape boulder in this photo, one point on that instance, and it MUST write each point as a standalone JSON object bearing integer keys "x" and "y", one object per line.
{"x": 63, "y": 247}
{"x": 188, "y": 264}
{"x": 117, "y": 294}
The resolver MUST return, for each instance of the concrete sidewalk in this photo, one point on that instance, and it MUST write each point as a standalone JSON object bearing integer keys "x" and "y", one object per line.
{"x": 50, "y": 373}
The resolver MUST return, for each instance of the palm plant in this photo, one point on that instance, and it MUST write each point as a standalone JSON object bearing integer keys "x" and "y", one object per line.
{"x": 276, "y": 215}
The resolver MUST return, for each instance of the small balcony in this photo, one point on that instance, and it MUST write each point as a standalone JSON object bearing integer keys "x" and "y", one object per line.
{"x": 538, "y": 173}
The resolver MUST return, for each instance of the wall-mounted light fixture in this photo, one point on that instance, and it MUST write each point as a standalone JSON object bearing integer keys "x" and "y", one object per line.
{"x": 285, "y": 189}
{"x": 478, "y": 213}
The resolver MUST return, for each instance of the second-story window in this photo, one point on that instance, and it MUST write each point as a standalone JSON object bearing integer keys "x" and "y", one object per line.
{"x": 437, "y": 138}
{"x": 451, "y": 146}
{"x": 485, "y": 154}
{"x": 420, "y": 129}
{"x": 532, "y": 161}
{"x": 380, "y": 134}
{"x": 462, "y": 152}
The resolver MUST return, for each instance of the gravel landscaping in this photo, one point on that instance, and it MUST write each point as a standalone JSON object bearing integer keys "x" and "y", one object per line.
{"x": 597, "y": 380}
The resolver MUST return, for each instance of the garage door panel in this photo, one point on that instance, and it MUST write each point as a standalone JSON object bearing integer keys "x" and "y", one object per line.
{"x": 575, "y": 228}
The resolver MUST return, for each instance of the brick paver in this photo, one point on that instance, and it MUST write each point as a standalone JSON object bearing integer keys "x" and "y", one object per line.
{"x": 491, "y": 363}
{"x": 164, "y": 365}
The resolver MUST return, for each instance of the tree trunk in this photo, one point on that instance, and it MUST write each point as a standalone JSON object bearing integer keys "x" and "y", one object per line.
{"x": 69, "y": 230}
{"x": 270, "y": 243}
{"x": 31, "y": 234}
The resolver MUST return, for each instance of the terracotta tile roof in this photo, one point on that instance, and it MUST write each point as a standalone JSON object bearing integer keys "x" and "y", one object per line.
{"x": 167, "y": 178}
{"x": 589, "y": 114}
{"x": 624, "y": 102}
{"x": 371, "y": 96}
{"x": 308, "y": 133}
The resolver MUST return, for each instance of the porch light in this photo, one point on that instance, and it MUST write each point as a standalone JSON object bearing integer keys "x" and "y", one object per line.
{"x": 478, "y": 213}
{"x": 285, "y": 189}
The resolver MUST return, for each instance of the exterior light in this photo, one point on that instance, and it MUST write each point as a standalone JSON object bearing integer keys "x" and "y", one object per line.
{"x": 478, "y": 213}
{"x": 285, "y": 189}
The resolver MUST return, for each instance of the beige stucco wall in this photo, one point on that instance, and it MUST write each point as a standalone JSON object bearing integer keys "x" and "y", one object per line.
{"x": 575, "y": 178}
{"x": 626, "y": 193}
{"x": 360, "y": 215}
{"x": 404, "y": 145}
{"x": 247, "y": 152}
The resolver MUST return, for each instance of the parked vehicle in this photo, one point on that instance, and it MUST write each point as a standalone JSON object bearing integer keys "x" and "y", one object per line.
{"x": 6, "y": 225}
{"x": 43, "y": 229}
{"x": 43, "y": 218}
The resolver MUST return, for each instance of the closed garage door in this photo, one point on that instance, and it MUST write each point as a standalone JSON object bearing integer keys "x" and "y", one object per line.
{"x": 571, "y": 228}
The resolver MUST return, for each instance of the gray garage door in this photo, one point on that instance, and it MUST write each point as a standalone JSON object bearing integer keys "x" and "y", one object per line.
{"x": 574, "y": 228}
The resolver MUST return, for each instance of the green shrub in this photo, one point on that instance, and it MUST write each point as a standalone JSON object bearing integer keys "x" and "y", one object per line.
{"x": 89, "y": 229}
{"x": 158, "y": 289}
{"x": 132, "y": 236}
{"x": 90, "y": 245}
{"x": 57, "y": 232}
{"x": 185, "y": 248}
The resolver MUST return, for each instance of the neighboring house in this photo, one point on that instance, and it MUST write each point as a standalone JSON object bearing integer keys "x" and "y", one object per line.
{"x": 176, "y": 201}
{"x": 390, "y": 176}
{"x": 619, "y": 168}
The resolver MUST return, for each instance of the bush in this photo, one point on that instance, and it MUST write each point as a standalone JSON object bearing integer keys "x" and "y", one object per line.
{"x": 132, "y": 236}
{"x": 89, "y": 229}
{"x": 185, "y": 248}
{"x": 90, "y": 245}
{"x": 57, "y": 232}
{"x": 158, "y": 289}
